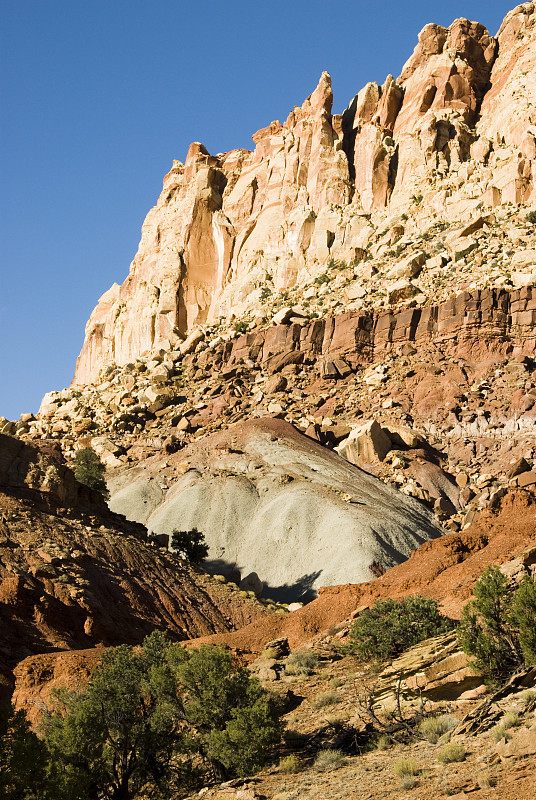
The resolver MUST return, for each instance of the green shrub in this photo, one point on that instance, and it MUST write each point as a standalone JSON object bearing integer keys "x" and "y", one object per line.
{"x": 325, "y": 699}
{"x": 147, "y": 711}
{"x": 451, "y": 752}
{"x": 302, "y": 662}
{"x": 531, "y": 217}
{"x": 329, "y": 759}
{"x": 241, "y": 326}
{"x": 320, "y": 279}
{"x": 524, "y": 616}
{"x": 405, "y": 766}
{"x": 289, "y": 764}
{"x": 486, "y": 630}
{"x": 391, "y": 626}
{"x": 433, "y": 728}
{"x": 89, "y": 470}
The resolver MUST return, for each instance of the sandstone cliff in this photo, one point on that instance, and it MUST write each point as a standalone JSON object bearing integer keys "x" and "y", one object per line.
{"x": 453, "y": 133}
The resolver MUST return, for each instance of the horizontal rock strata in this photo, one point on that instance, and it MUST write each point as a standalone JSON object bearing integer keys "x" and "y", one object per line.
{"x": 473, "y": 323}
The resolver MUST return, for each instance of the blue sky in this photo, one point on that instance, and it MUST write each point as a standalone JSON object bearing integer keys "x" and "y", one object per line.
{"x": 97, "y": 98}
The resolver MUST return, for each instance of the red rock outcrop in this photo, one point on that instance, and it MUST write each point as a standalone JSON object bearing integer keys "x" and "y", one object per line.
{"x": 479, "y": 324}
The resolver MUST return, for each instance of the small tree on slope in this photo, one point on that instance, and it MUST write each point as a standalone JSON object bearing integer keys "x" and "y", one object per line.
{"x": 89, "y": 470}
{"x": 488, "y": 626}
{"x": 190, "y": 545}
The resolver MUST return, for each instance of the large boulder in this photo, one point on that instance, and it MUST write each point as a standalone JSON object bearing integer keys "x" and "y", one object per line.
{"x": 365, "y": 444}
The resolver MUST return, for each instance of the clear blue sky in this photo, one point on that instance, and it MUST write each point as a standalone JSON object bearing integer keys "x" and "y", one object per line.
{"x": 98, "y": 97}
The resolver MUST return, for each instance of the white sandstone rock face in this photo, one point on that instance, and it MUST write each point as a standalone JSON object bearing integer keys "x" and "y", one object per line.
{"x": 455, "y": 132}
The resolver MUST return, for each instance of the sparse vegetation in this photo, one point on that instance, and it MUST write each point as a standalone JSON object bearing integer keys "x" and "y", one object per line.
{"x": 499, "y": 732}
{"x": 391, "y": 626}
{"x": 485, "y": 780}
{"x": 451, "y": 752}
{"x": 408, "y": 782}
{"x": 329, "y": 759}
{"x": 433, "y": 728}
{"x": 382, "y": 742}
{"x": 301, "y": 662}
{"x": 531, "y": 217}
{"x": 241, "y": 326}
{"x": 510, "y": 720}
{"x": 405, "y": 766}
{"x": 325, "y": 699}
{"x": 289, "y": 765}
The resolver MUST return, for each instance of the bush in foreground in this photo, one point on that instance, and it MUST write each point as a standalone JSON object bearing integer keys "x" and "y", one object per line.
{"x": 22, "y": 758}
{"x": 151, "y": 719}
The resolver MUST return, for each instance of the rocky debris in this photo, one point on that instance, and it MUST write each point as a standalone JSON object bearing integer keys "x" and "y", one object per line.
{"x": 365, "y": 444}
{"x": 434, "y": 380}
{"x": 521, "y": 745}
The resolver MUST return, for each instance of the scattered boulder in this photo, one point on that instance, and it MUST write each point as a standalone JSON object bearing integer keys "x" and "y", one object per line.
{"x": 366, "y": 443}
{"x": 402, "y": 290}
{"x": 252, "y": 583}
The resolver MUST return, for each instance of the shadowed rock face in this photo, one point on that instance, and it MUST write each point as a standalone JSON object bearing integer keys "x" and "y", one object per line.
{"x": 226, "y": 225}
{"x": 272, "y": 501}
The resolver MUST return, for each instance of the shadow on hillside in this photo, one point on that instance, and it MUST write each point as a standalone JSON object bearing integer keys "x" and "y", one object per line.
{"x": 300, "y": 591}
